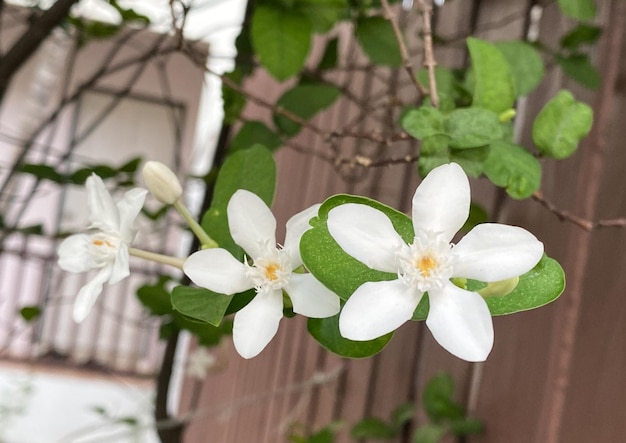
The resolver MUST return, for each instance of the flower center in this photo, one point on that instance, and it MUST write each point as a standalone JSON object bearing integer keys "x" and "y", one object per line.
{"x": 271, "y": 271}
{"x": 103, "y": 248}
{"x": 427, "y": 263}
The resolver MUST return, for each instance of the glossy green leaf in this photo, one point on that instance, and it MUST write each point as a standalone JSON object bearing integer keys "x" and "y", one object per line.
{"x": 281, "y": 38}
{"x": 326, "y": 332}
{"x": 578, "y": 67}
{"x": 305, "y": 101}
{"x": 372, "y": 428}
{"x": 200, "y": 304}
{"x": 376, "y": 38}
{"x": 493, "y": 82}
{"x": 429, "y": 433}
{"x": 252, "y": 169}
{"x": 525, "y": 64}
{"x": 255, "y": 132}
{"x": 448, "y": 89}
{"x": 512, "y": 167}
{"x": 423, "y": 122}
{"x": 156, "y": 297}
{"x": 472, "y": 127}
{"x": 561, "y": 124}
{"x": 583, "y": 34}
{"x": 578, "y": 9}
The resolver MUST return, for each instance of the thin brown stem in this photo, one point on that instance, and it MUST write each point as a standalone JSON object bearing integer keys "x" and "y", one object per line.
{"x": 429, "y": 58}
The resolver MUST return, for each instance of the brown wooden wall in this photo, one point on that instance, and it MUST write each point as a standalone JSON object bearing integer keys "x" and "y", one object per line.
{"x": 557, "y": 374}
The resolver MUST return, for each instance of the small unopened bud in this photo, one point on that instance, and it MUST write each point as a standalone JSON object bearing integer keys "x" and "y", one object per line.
{"x": 162, "y": 182}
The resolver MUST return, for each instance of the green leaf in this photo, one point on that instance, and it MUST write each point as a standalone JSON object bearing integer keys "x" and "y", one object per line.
{"x": 376, "y": 37}
{"x": 324, "y": 14}
{"x": 331, "y": 265}
{"x": 329, "y": 58}
{"x": 471, "y": 160}
{"x": 326, "y": 332}
{"x": 281, "y": 39}
{"x": 525, "y": 64}
{"x": 200, "y": 304}
{"x": 512, "y": 167}
{"x": 305, "y": 101}
{"x": 434, "y": 152}
{"x": 583, "y": 34}
{"x": 437, "y": 398}
{"x": 423, "y": 122}
{"x": 156, "y": 297}
{"x": 30, "y": 313}
{"x": 477, "y": 215}
{"x": 561, "y": 124}
{"x": 130, "y": 166}
{"x": 255, "y": 132}
{"x": 447, "y": 87}
{"x": 372, "y": 428}
{"x": 578, "y": 67}
{"x": 538, "y": 287}
{"x": 578, "y": 9}
{"x": 42, "y": 172}
{"x": 472, "y": 127}
{"x": 430, "y": 433}
{"x": 208, "y": 335}
{"x": 493, "y": 83}
{"x": 252, "y": 169}
{"x": 466, "y": 426}
{"x": 402, "y": 415}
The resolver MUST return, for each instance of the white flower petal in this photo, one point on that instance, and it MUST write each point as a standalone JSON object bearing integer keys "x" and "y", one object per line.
{"x": 493, "y": 252}
{"x": 311, "y": 298}
{"x": 377, "y": 308}
{"x": 441, "y": 202}
{"x": 366, "y": 234}
{"x": 129, "y": 208}
{"x": 460, "y": 322}
{"x": 103, "y": 212}
{"x": 89, "y": 293}
{"x": 296, "y": 226}
{"x": 256, "y": 324}
{"x": 251, "y": 223}
{"x": 121, "y": 266}
{"x": 74, "y": 255}
{"x": 218, "y": 271}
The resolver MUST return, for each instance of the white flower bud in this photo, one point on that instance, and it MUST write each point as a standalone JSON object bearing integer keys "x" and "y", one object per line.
{"x": 162, "y": 182}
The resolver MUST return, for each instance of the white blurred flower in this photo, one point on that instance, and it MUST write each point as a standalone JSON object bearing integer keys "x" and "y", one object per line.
{"x": 458, "y": 319}
{"x": 199, "y": 361}
{"x": 253, "y": 227}
{"x": 105, "y": 247}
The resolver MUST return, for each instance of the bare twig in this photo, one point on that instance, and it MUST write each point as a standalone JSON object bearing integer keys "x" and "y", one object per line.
{"x": 429, "y": 58}
{"x": 406, "y": 61}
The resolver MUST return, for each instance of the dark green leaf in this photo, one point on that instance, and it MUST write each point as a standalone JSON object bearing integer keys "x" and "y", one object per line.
{"x": 477, "y": 215}
{"x": 430, "y": 433}
{"x": 130, "y": 166}
{"x": 437, "y": 398}
{"x": 578, "y": 67}
{"x": 447, "y": 87}
{"x": 255, "y": 132}
{"x": 42, "y": 172}
{"x": 305, "y": 101}
{"x": 281, "y": 39}
{"x": 326, "y": 332}
{"x": 234, "y": 102}
{"x": 324, "y": 14}
{"x": 376, "y": 37}
{"x": 493, "y": 83}
{"x": 208, "y": 335}
{"x": 200, "y": 304}
{"x": 525, "y": 64}
{"x": 512, "y": 167}
{"x": 472, "y": 127}
{"x": 329, "y": 58}
{"x": 30, "y": 313}
{"x": 372, "y": 428}
{"x": 561, "y": 124}
{"x": 156, "y": 297}
{"x": 252, "y": 169}
{"x": 434, "y": 152}
{"x": 466, "y": 426}
{"x": 423, "y": 122}
{"x": 402, "y": 414}
{"x": 578, "y": 9}
{"x": 471, "y": 160}
{"x": 583, "y": 34}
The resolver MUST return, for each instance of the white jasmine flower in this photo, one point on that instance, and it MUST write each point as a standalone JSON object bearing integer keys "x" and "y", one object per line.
{"x": 458, "y": 319}
{"x": 253, "y": 227}
{"x": 199, "y": 362}
{"x": 105, "y": 247}
{"x": 162, "y": 182}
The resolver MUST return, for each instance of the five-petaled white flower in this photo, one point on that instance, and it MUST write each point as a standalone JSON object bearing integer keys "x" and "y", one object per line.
{"x": 458, "y": 319}
{"x": 105, "y": 247}
{"x": 253, "y": 227}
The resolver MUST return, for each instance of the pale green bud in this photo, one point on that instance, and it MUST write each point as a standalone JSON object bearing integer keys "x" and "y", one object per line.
{"x": 162, "y": 182}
